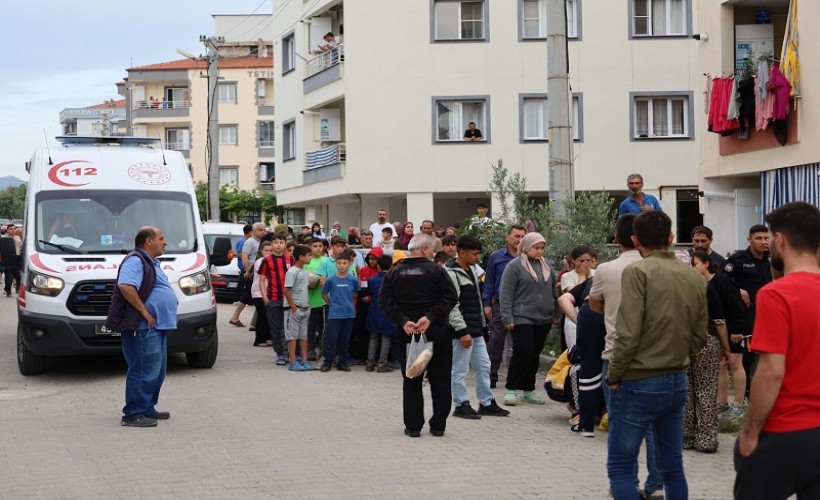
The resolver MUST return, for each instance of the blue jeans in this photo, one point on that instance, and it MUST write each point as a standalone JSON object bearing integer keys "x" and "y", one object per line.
{"x": 654, "y": 479}
{"x": 146, "y": 353}
{"x": 477, "y": 357}
{"x": 635, "y": 406}
{"x": 337, "y": 338}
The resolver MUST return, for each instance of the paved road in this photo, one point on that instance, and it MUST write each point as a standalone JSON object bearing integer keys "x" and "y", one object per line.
{"x": 250, "y": 429}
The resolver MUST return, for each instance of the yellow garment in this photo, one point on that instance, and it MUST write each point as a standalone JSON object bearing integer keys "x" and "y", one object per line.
{"x": 398, "y": 256}
{"x": 557, "y": 375}
{"x": 604, "y": 424}
{"x": 789, "y": 64}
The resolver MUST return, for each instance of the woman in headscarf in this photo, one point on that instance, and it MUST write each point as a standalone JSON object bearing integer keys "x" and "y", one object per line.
{"x": 406, "y": 234}
{"x": 527, "y": 296}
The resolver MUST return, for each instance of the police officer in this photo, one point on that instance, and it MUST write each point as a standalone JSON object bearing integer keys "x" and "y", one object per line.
{"x": 750, "y": 269}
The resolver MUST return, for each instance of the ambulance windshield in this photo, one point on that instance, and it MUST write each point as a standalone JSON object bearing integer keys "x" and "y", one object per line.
{"x": 93, "y": 222}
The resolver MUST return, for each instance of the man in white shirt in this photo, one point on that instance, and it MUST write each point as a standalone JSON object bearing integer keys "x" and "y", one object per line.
{"x": 605, "y": 298}
{"x": 376, "y": 227}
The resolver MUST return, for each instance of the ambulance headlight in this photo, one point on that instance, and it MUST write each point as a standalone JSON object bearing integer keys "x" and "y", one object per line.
{"x": 42, "y": 284}
{"x": 195, "y": 283}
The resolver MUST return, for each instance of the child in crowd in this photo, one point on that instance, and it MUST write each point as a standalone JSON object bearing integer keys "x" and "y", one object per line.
{"x": 340, "y": 291}
{"x": 381, "y": 329}
{"x": 388, "y": 243}
{"x": 448, "y": 245}
{"x": 316, "y": 323}
{"x": 441, "y": 258}
{"x": 262, "y": 327}
{"x": 296, "y": 295}
{"x": 271, "y": 279}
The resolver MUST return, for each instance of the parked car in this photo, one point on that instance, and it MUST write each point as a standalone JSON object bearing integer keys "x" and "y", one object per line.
{"x": 224, "y": 279}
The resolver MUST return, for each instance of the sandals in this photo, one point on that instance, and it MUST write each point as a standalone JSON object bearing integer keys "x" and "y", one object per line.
{"x": 237, "y": 323}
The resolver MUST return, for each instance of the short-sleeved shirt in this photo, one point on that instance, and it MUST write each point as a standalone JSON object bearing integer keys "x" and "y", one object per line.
{"x": 571, "y": 278}
{"x": 297, "y": 280}
{"x": 162, "y": 303}
{"x": 631, "y": 205}
{"x": 788, "y": 323}
{"x": 472, "y": 134}
{"x": 251, "y": 248}
{"x": 714, "y": 308}
{"x": 376, "y": 229}
{"x": 238, "y": 250}
{"x": 328, "y": 267}
{"x": 748, "y": 272}
{"x": 315, "y": 294}
{"x": 340, "y": 291}
{"x": 273, "y": 268}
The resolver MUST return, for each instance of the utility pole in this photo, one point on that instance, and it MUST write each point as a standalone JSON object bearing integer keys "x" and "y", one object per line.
{"x": 212, "y": 46}
{"x": 558, "y": 107}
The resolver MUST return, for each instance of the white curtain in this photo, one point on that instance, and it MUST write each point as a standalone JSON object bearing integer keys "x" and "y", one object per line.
{"x": 660, "y": 117}
{"x": 678, "y": 111}
{"x": 535, "y": 119}
{"x": 641, "y": 118}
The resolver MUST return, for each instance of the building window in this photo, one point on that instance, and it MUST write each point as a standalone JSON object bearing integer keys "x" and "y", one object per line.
{"x": 459, "y": 20}
{"x": 288, "y": 53}
{"x": 535, "y": 117}
{"x": 178, "y": 139}
{"x": 266, "y": 134}
{"x": 228, "y": 176}
{"x": 177, "y": 97}
{"x": 70, "y": 128}
{"x": 662, "y": 116}
{"x": 267, "y": 172}
{"x": 227, "y": 134}
{"x": 295, "y": 216}
{"x": 659, "y": 17}
{"x": 533, "y": 16}
{"x": 452, "y": 117}
{"x": 227, "y": 92}
{"x": 289, "y": 139}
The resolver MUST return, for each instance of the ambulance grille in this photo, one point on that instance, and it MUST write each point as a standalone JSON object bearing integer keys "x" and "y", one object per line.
{"x": 91, "y": 298}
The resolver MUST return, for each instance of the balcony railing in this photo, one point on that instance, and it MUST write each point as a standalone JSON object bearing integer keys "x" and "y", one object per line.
{"x": 267, "y": 187}
{"x": 324, "y": 61}
{"x": 330, "y": 155}
{"x": 266, "y": 102}
{"x": 177, "y": 146}
{"x": 266, "y": 143}
{"x": 162, "y": 105}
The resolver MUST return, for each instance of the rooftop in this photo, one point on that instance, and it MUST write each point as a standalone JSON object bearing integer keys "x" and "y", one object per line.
{"x": 227, "y": 63}
{"x": 109, "y": 104}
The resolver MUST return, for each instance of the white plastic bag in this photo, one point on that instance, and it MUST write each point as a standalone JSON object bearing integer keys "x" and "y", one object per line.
{"x": 419, "y": 353}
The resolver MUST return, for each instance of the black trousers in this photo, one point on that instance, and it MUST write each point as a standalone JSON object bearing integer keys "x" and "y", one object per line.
{"x": 316, "y": 327}
{"x": 496, "y": 337}
{"x": 590, "y": 344}
{"x": 438, "y": 373}
{"x": 262, "y": 325}
{"x": 12, "y": 273}
{"x": 783, "y": 464}
{"x": 528, "y": 342}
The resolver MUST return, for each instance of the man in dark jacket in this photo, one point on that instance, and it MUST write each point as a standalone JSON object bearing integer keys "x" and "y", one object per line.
{"x": 143, "y": 309}
{"x": 468, "y": 326}
{"x": 418, "y": 296}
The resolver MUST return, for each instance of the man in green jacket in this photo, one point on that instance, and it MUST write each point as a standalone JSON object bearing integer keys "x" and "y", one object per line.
{"x": 661, "y": 325}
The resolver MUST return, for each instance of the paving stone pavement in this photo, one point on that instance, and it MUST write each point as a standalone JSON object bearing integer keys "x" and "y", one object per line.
{"x": 249, "y": 429}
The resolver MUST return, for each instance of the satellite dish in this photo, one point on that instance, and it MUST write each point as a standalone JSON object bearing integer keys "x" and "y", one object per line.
{"x": 185, "y": 53}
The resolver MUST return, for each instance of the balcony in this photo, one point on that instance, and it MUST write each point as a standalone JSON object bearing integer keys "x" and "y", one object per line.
{"x": 265, "y": 106}
{"x": 267, "y": 187}
{"x": 158, "y": 109}
{"x": 182, "y": 147}
{"x": 324, "y": 164}
{"x": 323, "y": 69}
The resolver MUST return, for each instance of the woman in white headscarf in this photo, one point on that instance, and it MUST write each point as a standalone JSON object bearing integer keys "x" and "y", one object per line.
{"x": 527, "y": 296}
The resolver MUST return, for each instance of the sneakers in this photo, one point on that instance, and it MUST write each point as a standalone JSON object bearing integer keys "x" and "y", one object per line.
{"x": 531, "y": 397}
{"x": 325, "y": 367}
{"x": 280, "y": 360}
{"x": 583, "y": 432}
{"x": 464, "y": 410}
{"x": 342, "y": 367}
{"x": 383, "y": 368}
{"x": 734, "y": 412}
{"x": 139, "y": 421}
{"x": 492, "y": 410}
{"x": 510, "y": 398}
{"x": 721, "y": 408}
{"x": 296, "y": 367}
{"x": 371, "y": 366}
{"x": 307, "y": 366}
{"x": 575, "y": 419}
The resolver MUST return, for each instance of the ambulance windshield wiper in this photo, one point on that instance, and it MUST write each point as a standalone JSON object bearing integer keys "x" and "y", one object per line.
{"x": 64, "y": 248}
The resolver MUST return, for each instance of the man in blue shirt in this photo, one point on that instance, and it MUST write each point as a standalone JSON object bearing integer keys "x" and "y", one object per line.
{"x": 492, "y": 309}
{"x": 146, "y": 347}
{"x": 637, "y": 202}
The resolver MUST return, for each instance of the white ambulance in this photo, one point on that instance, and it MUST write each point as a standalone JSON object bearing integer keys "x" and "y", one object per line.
{"x": 85, "y": 201}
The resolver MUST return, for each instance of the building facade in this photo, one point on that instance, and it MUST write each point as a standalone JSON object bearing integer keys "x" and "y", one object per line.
{"x": 106, "y": 118}
{"x": 170, "y": 100}
{"x": 378, "y": 121}
{"x": 742, "y": 179}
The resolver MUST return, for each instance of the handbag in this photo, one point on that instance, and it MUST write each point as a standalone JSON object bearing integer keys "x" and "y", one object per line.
{"x": 419, "y": 353}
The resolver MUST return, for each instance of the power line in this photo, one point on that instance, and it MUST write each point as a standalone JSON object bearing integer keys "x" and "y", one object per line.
{"x": 263, "y": 2}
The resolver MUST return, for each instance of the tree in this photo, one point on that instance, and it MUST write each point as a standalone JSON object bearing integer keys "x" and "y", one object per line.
{"x": 13, "y": 202}
{"x": 589, "y": 218}
{"x": 234, "y": 203}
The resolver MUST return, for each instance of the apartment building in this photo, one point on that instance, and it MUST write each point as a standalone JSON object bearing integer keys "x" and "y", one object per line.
{"x": 170, "y": 100}
{"x": 378, "y": 121}
{"x": 105, "y": 118}
{"x": 742, "y": 179}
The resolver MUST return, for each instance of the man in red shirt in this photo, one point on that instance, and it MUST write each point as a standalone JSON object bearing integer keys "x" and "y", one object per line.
{"x": 776, "y": 452}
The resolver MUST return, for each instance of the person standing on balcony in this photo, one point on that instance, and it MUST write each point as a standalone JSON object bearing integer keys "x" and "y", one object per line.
{"x": 637, "y": 202}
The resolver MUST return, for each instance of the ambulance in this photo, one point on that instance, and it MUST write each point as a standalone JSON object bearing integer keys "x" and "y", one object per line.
{"x": 86, "y": 199}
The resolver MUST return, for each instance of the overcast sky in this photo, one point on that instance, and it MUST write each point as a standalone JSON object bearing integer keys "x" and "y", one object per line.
{"x": 59, "y": 54}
